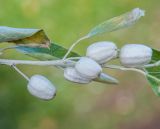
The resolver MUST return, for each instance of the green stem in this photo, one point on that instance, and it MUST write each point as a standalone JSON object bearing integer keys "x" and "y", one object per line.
{"x": 21, "y": 73}
{"x": 125, "y": 69}
{"x": 152, "y": 65}
{"x": 73, "y": 45}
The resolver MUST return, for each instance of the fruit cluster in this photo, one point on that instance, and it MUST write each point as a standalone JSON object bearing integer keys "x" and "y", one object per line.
{"x": 90, "y": 67}
{"x": 99, "y": 53}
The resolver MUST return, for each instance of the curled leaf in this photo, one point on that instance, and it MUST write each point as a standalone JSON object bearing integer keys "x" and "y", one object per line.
{"x": 24, "y": 36}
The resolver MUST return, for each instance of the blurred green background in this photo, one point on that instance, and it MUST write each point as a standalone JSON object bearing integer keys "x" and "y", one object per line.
{"x": 129, "y": 105}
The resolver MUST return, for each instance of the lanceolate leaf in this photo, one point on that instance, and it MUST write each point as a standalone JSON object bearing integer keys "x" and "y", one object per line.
{"x": 36, "y": 52}
{"x": 155, "y": 84}
{"x": 116, "y": 23}
{"x": 154, "y": 73}
{"x": 23, "y": 36}
{"x": 54, "y": 51}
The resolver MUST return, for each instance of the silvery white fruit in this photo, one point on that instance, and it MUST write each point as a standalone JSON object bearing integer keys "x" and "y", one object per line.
{"x": 72, "y": 75}
{"x": 102, "y": 51}
{"x": 134, "y": 55}
{"x": 41, "y": 87}
{"x": 88, "y": 68}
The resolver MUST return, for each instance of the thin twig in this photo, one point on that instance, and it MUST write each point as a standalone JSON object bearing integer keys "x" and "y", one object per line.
{"x": 125, "y": 69}
{"x": 73, "y": 45}
{"x": 152, "y": 65}
{"x": 62, "y": 63}
{"x": 20, "y": 72}
{"x": 143, "y": 72}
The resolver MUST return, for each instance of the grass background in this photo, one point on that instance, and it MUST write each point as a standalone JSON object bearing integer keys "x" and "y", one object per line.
{"x": 129, "y": 105}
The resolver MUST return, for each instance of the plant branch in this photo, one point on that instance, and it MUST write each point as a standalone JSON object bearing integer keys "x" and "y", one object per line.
{"x": 62, "y": 63}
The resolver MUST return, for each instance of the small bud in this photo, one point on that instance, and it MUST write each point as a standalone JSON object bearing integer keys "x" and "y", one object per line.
{"x": 134, "y": 55}
{"x": 102, "y": 51}
{"x": 72, "y": 75}
{"x": 41, "y": 87}
{"x": 88, "y": 68}
{"x": 105, "y": 78}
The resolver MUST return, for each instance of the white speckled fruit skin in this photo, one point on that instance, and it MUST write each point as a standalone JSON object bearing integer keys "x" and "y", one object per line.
{"x": 135, "y": 55}
{"x": 88, "y": 68}
{"x": 41, "y": 87}
{"x": 72, "y": 75}
{"x": 102, "y": 51}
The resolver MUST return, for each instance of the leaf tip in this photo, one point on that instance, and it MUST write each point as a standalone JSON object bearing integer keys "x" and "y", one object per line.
{"x": 137, "y": 13}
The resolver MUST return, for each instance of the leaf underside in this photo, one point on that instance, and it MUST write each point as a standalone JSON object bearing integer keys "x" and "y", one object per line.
{"x": 54, "y": 51}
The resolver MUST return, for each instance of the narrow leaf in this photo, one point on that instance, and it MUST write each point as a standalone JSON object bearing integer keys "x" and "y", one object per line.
{"x": 154, "y": 73}
{"x": 155, "y": 84}
{"x": 54, "y": 51}
{"x": 23, "y": 36}
{"x": 116, "y": 23}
